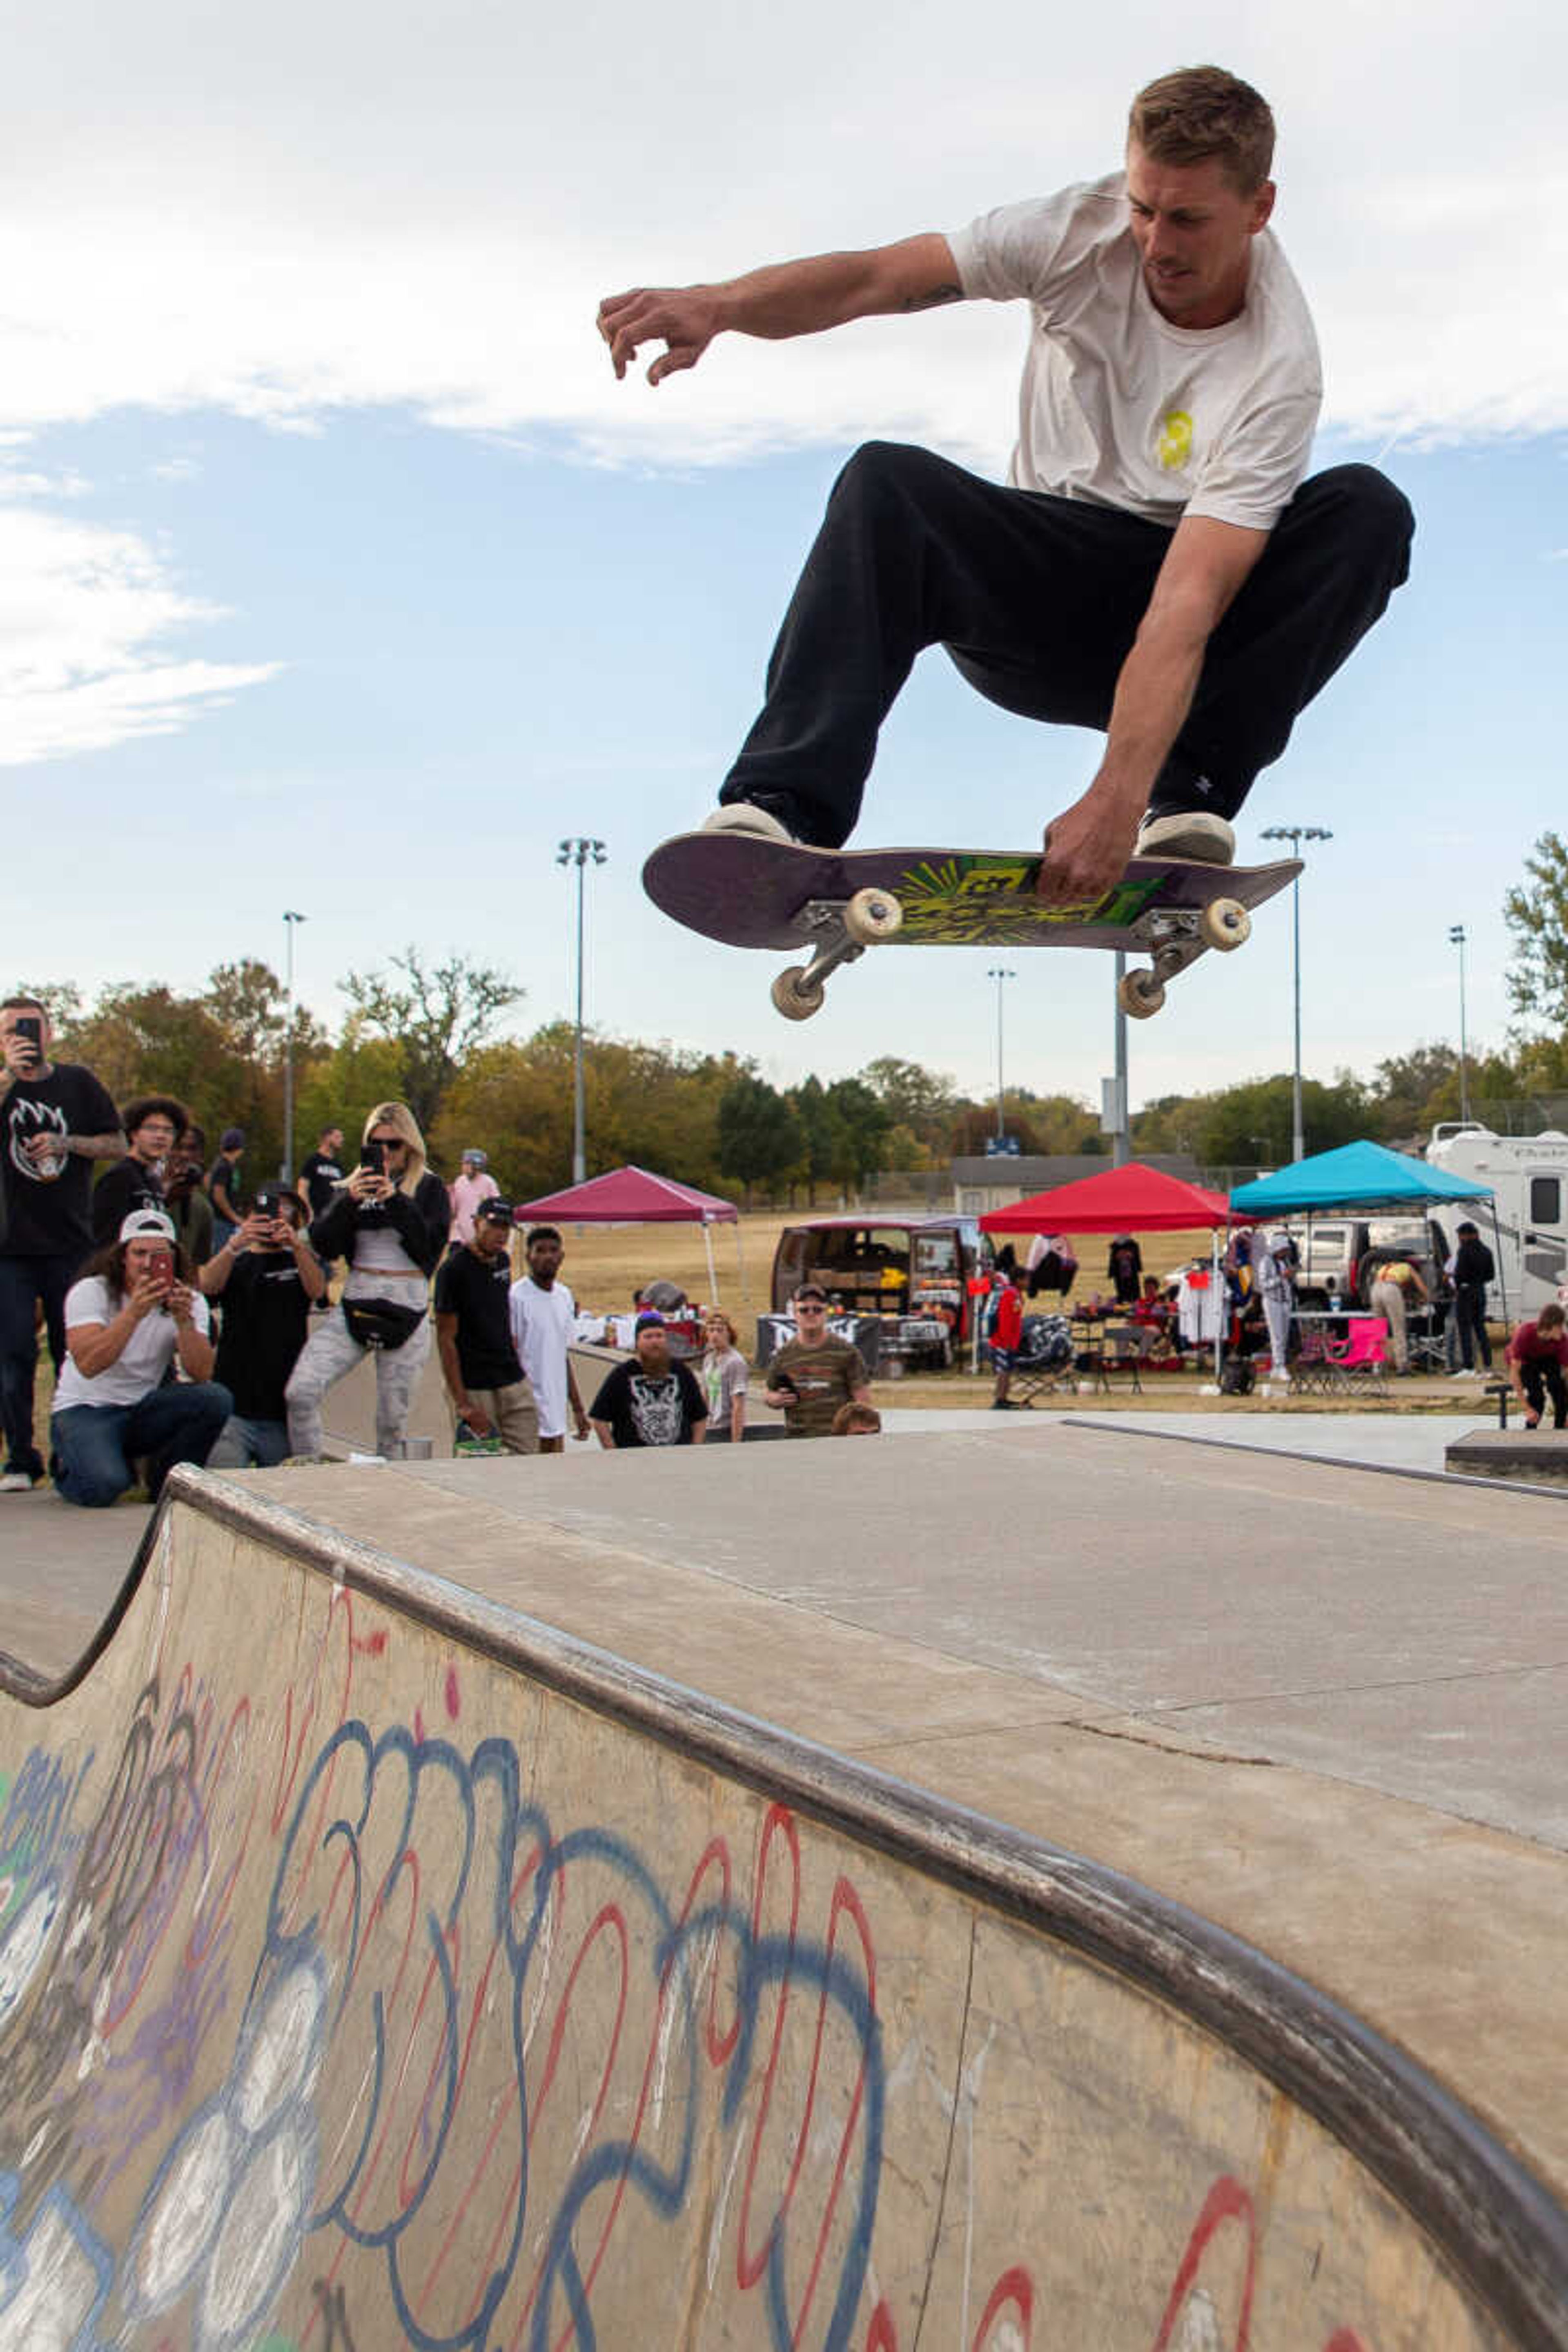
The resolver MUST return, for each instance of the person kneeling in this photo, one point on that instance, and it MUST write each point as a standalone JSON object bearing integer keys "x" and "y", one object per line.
{"x": 268, "y": 1279}
{"x": 130, "y": 1319}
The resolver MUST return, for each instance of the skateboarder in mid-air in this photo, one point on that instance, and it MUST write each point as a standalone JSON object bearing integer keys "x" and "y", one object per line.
{"x": 1157, "y": 568}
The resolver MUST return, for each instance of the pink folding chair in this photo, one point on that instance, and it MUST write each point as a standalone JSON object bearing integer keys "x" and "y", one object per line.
{"x": 1363, "y": 1361}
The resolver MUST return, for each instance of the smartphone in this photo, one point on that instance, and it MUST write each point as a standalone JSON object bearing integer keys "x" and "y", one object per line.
{"x": 783, "y": 1380}
{"x": 28, "y": 1026}
{"x": 161, "y": 1268}
{"x": 372, "y": 1155}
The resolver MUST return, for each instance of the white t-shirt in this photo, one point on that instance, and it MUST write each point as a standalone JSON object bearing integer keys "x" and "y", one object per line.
{"x": 141, "y": 1364}
{"x": 1122, "y": 408}
{"x": 541, "y": 1326}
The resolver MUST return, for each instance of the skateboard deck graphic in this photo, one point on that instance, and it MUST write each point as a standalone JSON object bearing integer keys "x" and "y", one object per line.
{"x": 767, "y": 893}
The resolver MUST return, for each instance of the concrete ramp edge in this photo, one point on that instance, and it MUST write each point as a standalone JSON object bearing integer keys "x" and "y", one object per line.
{"x": 1496, "y": 2238}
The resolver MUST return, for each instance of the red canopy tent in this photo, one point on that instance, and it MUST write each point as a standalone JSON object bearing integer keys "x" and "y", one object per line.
{"x": 1130, "y": 1199}
{"x": 634, "y": 1196}
{"x": 1133, "y": 1199}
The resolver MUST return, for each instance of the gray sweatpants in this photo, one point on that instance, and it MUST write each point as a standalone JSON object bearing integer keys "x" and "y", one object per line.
{"x": 327, "y": 1356}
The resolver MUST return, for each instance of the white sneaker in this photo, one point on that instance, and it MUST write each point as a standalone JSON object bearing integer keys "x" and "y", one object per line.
{"x": 745, "y": 816}
{"x": 15, "y": 1482}
{"x": 1191, "y": 834}
{"x": 1465, "y": 1372}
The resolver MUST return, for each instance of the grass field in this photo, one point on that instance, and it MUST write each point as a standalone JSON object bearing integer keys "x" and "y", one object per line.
{"x": 605, "y": 1263}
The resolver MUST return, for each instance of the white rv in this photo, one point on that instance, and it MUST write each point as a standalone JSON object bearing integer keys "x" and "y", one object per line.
{"x": 1528, "y": 1175}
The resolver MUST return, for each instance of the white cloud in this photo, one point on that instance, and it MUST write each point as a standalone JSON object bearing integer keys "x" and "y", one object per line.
{"x": 290, "y": 213}
{"x": 85, "y": 614}
{"x": 287, "y": 212}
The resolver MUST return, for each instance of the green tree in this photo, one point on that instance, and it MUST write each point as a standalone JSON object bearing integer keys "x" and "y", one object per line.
{"x": 760, "y": 1137}
{"x": 1536, "y": 914}
{"x": 342, "y": 1085}
{"x": 859, "y": 1126}
{"x": 436, "y": 1017}
{"x": 925, "y": 1101}
{"x": 1412, "y": 1092}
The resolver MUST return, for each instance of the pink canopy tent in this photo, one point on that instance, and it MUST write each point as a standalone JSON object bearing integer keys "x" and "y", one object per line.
{"x": 635, "y": 1196}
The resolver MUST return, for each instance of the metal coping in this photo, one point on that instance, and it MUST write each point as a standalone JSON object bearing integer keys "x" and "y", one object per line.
{"x": 1102, "y": 1426}
{"x": 1488, "y": 2217}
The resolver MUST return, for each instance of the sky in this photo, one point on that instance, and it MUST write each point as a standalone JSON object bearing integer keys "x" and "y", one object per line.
{"x": 339, "y": 574}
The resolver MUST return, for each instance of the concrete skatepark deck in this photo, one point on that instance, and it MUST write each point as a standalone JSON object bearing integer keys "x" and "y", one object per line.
{"x": 410, "y": 1933}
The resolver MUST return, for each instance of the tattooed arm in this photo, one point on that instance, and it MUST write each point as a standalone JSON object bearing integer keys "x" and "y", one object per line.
{"x": 788, "y": 298}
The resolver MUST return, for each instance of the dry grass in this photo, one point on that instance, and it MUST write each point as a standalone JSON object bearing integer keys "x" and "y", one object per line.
{"x": 605, "y": 1264}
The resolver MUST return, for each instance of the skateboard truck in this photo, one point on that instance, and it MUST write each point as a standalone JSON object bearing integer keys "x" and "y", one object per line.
{"x": 1176, "y": 936}
{"x": 842, "y": 929}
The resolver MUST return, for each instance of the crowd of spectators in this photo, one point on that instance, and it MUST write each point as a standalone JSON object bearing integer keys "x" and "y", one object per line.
{"x": 194, "y": 1315}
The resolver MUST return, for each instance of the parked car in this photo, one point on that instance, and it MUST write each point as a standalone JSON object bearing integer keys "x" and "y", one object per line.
{"x": 1340, "y": 1256}
{"x": 911, "y": 1274}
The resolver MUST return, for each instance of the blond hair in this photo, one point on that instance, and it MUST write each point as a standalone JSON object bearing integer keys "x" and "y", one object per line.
{"x": 1202, "y": 111}
{"x": 399, "y": 1117}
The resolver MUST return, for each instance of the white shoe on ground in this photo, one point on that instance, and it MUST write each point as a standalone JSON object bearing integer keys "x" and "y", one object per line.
{"x": 15, "y": 1482}
{"x": 1191, "y": 834}
{"x": 745, "y": 816}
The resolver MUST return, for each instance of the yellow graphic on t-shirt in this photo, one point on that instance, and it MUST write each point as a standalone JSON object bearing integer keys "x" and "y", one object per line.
{"x": 1174, "y": 446}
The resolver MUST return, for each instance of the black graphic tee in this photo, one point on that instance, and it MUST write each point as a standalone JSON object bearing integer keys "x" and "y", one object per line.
{"x": 127, "y": 1185}
{"x": 265, "y": 1317}
{"x": 43, "y": 1205}
{"x": 642, "y": 1411}
{"x": 321, "y": 1178}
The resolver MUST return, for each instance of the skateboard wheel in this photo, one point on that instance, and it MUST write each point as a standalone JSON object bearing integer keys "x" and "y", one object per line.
{"x": 1225, "y": 923}
{"x": 792, "y": 998}
{"x": 872, "y": 915}
{"x": 1139, "y": 993}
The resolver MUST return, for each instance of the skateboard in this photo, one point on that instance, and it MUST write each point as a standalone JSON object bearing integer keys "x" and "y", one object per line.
{"x": 773, "y": 894}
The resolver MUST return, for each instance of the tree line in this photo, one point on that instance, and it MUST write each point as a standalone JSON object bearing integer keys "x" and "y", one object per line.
{"x": 427, "y": 1033}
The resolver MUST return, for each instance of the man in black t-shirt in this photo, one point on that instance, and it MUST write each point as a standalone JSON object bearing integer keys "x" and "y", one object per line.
{"x": 473, "y": 1331}
{"x": 268, "y": 1276}
{"x": 154, "y": 1124}
{"x": 324, "y": 1171}
{"x": 652, "y": 1401}
{"x": 225, "y": 1184}
{"x": 54, "y": 1117}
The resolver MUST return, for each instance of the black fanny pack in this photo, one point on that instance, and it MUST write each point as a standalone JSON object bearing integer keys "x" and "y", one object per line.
{"x": 381, "y": 1322}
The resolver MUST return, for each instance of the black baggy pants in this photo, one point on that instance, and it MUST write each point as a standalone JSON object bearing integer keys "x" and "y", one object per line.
{"x": 1541, "y": 1378}
{"x": 1037, "y": 600}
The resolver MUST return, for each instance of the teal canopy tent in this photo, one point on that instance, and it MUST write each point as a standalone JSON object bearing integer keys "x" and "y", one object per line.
{"x": 1357, "y": 1176}
{"x": 1360, "y": 1177}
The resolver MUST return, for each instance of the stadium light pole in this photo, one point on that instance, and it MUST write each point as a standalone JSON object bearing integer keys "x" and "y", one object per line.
{"x": 1001, "y": 978}
{"x": 1456, "y": 939}
{"x": 1296, "y": 834}
{"x": 578, "y": 852}
{"x": 291, "y": 922}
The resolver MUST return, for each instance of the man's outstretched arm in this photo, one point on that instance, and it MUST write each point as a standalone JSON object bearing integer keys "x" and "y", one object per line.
{"x": 1088, "y": 845}
{"x": 788, "y": 298}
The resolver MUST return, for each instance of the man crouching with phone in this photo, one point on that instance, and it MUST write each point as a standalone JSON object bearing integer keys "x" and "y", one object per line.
{"x": 131, "y": 1320}
{"x": 268, "y": 1279}
{"x": 55, "y": 1118}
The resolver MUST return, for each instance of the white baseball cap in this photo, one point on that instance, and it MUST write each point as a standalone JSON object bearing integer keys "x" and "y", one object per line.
{"x": 147, "y": 1225}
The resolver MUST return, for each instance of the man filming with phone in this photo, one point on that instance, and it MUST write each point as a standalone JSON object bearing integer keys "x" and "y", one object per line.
{"x": 268, "y": 1279}
{"x": 55, "y": 1118}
